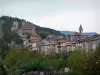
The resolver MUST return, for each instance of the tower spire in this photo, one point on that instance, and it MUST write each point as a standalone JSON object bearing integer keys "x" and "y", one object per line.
{"x": 80, "y": 29}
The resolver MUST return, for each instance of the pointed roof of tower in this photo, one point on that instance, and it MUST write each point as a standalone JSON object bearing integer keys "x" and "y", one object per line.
{"x": 80, "y": 28}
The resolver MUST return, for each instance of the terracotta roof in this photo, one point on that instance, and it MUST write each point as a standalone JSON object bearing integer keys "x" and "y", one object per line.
{"x": 35, "y": 35}
{"x": 34, "y": 38}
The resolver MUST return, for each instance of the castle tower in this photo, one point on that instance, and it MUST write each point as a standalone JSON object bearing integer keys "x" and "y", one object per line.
{"x": 15, "y": 26}
{"x": 80, "y": 29}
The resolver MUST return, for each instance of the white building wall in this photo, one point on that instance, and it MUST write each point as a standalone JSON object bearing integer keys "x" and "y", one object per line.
{"x": 25, "y": 43}
{"x": 34, "y": 44}
{"x": 69, "y": 48}
{"x": 93, "y": 45}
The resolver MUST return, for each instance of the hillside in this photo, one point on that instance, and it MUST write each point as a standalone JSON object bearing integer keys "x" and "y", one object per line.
{"x": 85, "y": 33}
{"x": 41, "y": 31}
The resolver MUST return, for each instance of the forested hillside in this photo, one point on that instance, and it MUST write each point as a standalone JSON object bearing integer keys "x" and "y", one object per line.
{"x": 41, "y": 31}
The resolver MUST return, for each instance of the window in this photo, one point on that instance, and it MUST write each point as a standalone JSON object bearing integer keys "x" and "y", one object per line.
{"x": 59, "y": 47}
{"x": 58, "y": 43}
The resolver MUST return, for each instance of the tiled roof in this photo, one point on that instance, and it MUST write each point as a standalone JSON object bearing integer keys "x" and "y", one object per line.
{"x": 46, "y": 42}
{"x": 34, "y": 37}
{"x": 91, "y": 38}
{"x": 75, "y": 34}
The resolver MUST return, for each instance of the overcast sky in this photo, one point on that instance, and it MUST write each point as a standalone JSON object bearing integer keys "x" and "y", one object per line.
{"x": 56, "y": 14}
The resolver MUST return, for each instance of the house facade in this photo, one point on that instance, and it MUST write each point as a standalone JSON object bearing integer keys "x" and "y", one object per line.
{"x": 28, "y": 28}
{"x": 78, "y": 39}
{"x": 46, "y": 46}
{"x": 90, "y": 43}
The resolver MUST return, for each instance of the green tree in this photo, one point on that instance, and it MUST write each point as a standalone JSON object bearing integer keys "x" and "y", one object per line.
{"x": 3, "y": 48}
{"x": 42, "y": 34}
{"x": 28, "y": 36}
{"x": 31, "y": 65}
{"x": 15, "y": 58}
{"x": 93, "y": 67}
{"x": 78, "y": 60}
{"x": 3, "y": 71}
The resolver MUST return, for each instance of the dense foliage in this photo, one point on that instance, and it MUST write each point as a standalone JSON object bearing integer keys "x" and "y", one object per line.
{"x": 77, "y": 61}
{"x": 93, "y": 67}
{"x": 20, "y": 60}
{"x": 80, "y": 62}
{"x": 87, "y": 63}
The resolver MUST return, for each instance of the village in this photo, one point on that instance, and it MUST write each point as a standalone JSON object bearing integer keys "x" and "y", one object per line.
{"x": 53, "y": 43}
{"x": 49, "y": 37}
{"x": 32, "y": 55}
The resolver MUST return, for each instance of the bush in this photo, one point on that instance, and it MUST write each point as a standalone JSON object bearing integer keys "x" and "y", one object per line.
{"x": 77, "y": 61}
{"x": 93, "y": 67}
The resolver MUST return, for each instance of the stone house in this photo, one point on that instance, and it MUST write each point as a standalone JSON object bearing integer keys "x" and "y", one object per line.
{"x": 90, "y": 43}
{"x": 28, "y": 28}
{"x": 33, "y": 42}
{"x": 70, "y": 46}
{"x": 61, "y": 43}
{"x": 33, "y": 45}
{"x": 47, "y": 46}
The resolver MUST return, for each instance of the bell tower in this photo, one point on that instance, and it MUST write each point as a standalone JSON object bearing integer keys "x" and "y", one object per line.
{"x": 80, "y": 29}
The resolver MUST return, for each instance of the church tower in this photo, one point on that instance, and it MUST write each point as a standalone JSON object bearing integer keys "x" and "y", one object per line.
{"x": 80, "y": 29}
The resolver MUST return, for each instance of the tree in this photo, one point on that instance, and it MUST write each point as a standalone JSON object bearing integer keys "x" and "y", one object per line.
{"x": 28, "y": 36}
{"x": 2, "y": 68}
{"x": 93, "y": 67}
{"x": 15, "y": 58}
{"x": 3, "y": 48}
{"x": 31, "y": 65}
{"x": 77, "y": 60}
{"x": 42, "y": 34}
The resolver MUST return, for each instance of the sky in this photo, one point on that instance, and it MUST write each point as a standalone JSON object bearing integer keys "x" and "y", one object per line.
{"x": 56, "y": 14}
